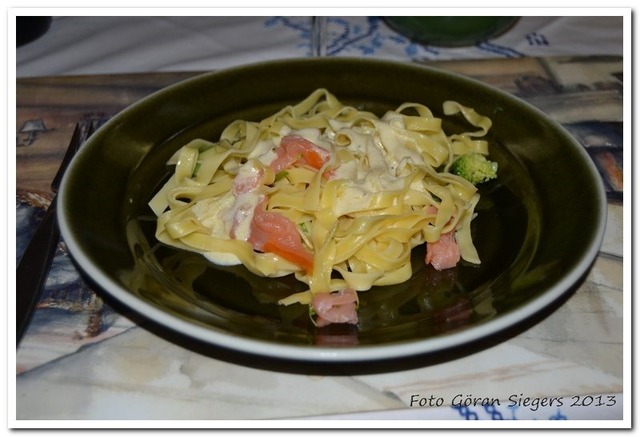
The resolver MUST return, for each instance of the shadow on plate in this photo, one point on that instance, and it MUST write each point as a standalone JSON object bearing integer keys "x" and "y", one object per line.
{"x": 346, "y": 367}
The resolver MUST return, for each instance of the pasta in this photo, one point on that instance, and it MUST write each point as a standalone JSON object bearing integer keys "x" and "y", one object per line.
{"x": 337, "y": 196}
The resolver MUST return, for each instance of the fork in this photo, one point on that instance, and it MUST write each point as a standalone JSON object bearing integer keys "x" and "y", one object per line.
{"x": 34, "y": 266}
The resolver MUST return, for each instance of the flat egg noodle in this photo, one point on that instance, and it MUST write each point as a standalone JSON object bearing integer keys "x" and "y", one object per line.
{"x": 384, "y": 191}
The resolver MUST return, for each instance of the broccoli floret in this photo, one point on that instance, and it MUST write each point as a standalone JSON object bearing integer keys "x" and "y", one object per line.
{"x": 475, "y": 168}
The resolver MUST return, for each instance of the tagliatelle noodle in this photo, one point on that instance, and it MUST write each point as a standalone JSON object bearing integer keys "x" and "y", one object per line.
{"x": 384, "y": 190}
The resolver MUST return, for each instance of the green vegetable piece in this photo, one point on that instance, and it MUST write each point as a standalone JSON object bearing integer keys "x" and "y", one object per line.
{"x": 196, "y": 169}
{"x": 475, "y": 168}
{"x": 303, "y": 227}
{"x": 281, "y": 175}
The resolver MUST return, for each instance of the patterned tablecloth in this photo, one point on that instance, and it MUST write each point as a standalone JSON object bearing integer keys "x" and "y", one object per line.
{"x": 157, "y": 43}
{"x": 86, "y": 357}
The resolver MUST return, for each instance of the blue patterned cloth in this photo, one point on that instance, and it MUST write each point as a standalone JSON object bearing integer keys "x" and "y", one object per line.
{"x": 121, "y": 44}
{"x": 370, "y": 36}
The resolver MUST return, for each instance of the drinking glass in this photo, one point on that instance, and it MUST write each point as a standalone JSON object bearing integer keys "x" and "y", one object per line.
{"x": 319, "y": 36}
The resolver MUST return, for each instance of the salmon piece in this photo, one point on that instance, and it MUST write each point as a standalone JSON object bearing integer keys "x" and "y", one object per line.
{"x": 242, "y": 213}
{"x": 338, "y": 307}
{"x": 431, "y": 209}
{"x": 444, "y": 253}
{"x": 244, "y": 185}
{"x": 297, "y": 150}
{"x": 293, "y": 150}
{"x": 274, "y": 233}
{"x": 247, "y": 179}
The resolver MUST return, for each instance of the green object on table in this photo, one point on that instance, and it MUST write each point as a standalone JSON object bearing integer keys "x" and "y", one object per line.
{"x": 450, "y": 31}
